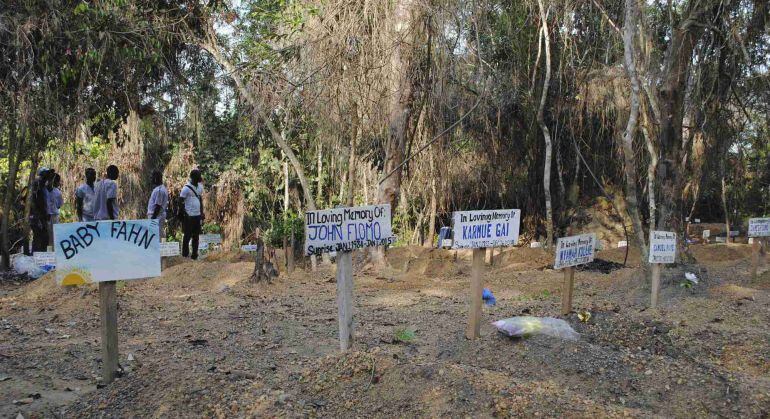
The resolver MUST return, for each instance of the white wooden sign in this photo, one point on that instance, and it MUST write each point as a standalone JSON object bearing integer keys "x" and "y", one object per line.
{"x": 706, "y": 234}
{"x": 622, "y": 243}
{"x": 44, "y": 258}
{"x": 249, "y": 248}
{"x": 575, "y": 250}
{"x": 721, "y": 240}
{"x": 697, "y": 220}
{"x": 535, "y": 245}
{"x": 168, "y": 249}
{"x": 211, "y": 238}
{"x": 347, "y": 229}
{"x": 662, "y": 247}
{"x": 106, "y": 251}
{"x": 759, "y": 227}
{"x": 486, "y": 228}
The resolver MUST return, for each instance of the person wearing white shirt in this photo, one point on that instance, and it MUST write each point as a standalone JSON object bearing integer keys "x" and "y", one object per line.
{"x": 106, "y": 196}
{"x": 191, "y": 199}
{"x": 156, "y": 206}
{"x": 85, "y": 196}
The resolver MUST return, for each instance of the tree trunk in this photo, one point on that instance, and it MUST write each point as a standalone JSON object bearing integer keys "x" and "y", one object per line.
{"x": 433, "y": 204}
{"x": 28, "y": 203}
{"x": 723, "y": 176}
{"x": 546, "y": 133}
{"x": 352, "y": 157}
{"x": 14, "y": 156}
{"x": 632, "y": 205}
{"x": 211, "y": 46}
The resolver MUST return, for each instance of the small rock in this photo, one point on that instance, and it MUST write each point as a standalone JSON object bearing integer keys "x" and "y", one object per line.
{"x": 130, "y": 357}
{"x": 648, "y": 372}
{"x": 19, "y": 416}
{"x": 26, "y": 400}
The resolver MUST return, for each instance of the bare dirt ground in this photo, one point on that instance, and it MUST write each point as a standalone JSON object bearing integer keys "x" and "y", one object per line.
{"x": 203, "y": 341}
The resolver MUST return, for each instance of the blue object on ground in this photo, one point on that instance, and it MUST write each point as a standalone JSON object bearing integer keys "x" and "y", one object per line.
{"x": 488, "y": 297}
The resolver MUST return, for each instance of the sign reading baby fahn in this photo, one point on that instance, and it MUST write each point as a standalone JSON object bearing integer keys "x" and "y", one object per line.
{"x": 346, "y": 229}
{"x": 102, "y": 251}
{"x": 487, "y": 228}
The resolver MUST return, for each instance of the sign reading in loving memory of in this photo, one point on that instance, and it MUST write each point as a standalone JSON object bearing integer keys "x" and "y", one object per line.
{"x": 486, "y": 228}
{"x": 759, "y": 227}
{"x": 106, "y": 251}
{"x": 575, "y": 250}
{"x": 346, "y": 229}
{"x": 662, "y": 247}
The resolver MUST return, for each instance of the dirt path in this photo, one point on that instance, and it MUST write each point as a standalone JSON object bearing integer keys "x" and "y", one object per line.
{"x": 203, "y": 341}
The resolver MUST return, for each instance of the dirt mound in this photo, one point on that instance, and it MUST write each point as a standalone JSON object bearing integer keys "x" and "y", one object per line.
{"x": 720, "y": 252}
{"x": 618, "y": 254}
{"x": 524, "y": 258}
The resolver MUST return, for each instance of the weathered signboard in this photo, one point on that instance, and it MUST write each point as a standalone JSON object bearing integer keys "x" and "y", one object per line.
{"x": 485, "y": 228}
{"x": 211, "y": 238}
{"x": 44, "y": 258}
{"x": 101, "y": 251}
{"x": 575, "y": 250}
{"x": 662, "y": 247}
{"x": 168, "y": 249}
{"x": 759, "y": 227}
{"x": 249, "y": 248}
{"x": 347, "y": 229}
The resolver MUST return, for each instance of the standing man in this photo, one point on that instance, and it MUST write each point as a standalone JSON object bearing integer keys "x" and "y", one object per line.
{"x": 55, "y": 202}
{"x": 191, "y": 199}
{"x": 38, "y": 214}
{"x": 106, "y": 196}
{"x": 85, "y": 196}
{"x": 156, "y": 207}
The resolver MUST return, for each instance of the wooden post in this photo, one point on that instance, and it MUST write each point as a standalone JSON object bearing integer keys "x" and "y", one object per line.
{"x": 655, "y": 285}
{"x": 108, "y": 310}
{"x": 490, "y": 256}
{"x": 755, "y": 248}
{"x": 567, "y": 288}
{"x": 290, "y": 254}
{"x": 474, "y": 310}
{"x": 313, "y": 263}
{"x": 345, "y": 298}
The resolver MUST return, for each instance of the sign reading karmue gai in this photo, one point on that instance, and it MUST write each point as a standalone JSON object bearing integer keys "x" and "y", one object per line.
{"x": 575, "y": 250}
{"x": 759, "y": 227}
{"x": 346, "y": 229}
{"x": 106, "y": 251}
{"x": 486, "y": 228}
{"x": 662, "y": 247}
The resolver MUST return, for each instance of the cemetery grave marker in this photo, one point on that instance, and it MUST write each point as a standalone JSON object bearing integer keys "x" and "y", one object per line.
{"x": 104, "y": 252}
{"x": 344, "y": 230}
{"x": 662, "y": 250}
{"x": 759, "y": 230}
{"x": 479, "y": 230}
{"x": 570, "y": 252}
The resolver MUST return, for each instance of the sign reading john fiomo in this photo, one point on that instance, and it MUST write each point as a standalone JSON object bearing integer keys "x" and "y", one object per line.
{"x": 486, "y": 228}
{"x": 346, "y": 229}
{"x": 106, "y": 251}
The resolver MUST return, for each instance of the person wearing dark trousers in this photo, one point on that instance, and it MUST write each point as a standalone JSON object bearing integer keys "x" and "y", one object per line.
{"x": 191, "y": 203}
{"x": 38, "y": 214}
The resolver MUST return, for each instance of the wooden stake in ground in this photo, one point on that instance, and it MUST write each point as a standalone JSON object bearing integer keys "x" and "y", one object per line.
{"x": 755, "y": 250}
{"x": 477, "y": 288}
{"x": 655, "y": 285}
{"x": 108, "y": 310}
{"x": 290, "y": 253}
{"x": 345, "y": 298}
{"x": 567, "y": 290}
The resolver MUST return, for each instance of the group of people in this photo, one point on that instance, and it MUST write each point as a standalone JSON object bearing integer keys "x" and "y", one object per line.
{"x": 98, "y": 200}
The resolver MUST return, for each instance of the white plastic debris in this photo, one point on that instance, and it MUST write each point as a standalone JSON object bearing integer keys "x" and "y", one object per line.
{"x": 26, "y": 265}
{"x": 526, "y": 326}
{"x": 691, "y": 277}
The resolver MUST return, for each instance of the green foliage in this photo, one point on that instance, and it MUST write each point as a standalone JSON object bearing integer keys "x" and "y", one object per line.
{"x": 404, "y": 335}
{"x": 281, "y": 228}
{"x": 211, "y": 228}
